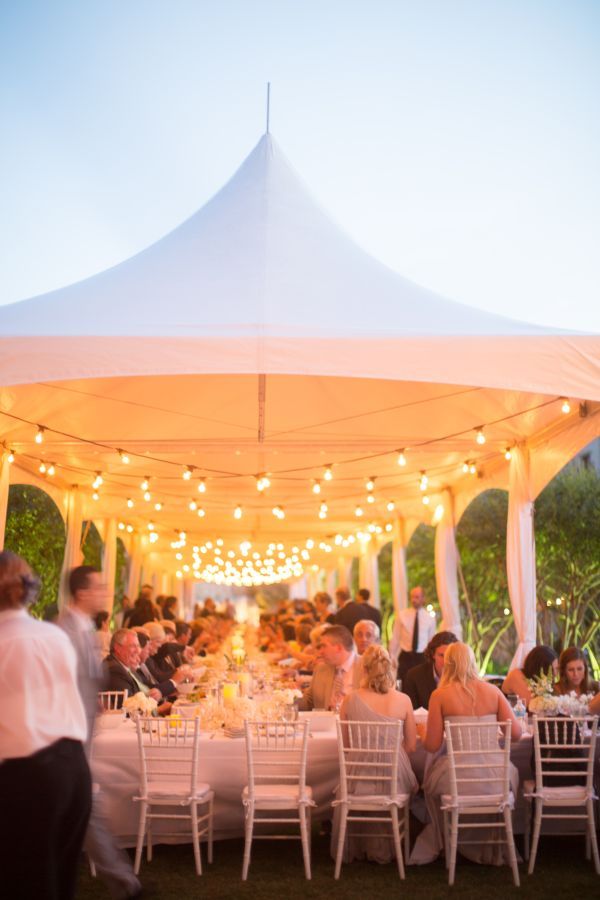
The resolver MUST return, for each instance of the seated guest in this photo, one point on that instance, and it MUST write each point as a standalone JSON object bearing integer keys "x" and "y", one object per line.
{"x": 462, "y": 696}
{"x": 366, "y": 633}
{"x": 377, "y": 700}
{"x": 169, "y": 627}
{"x": 169, "y": 608}
{"x": 421, "y": 681}
{"x": 176, "y": 652}
{"x": 121, "y": 665}
{"x": 210, "y": 607}
{"x": 336, "y": 673}
{"x": 542, "y": 660}
{"x": 323, "y": 606}
{"x": 144, "y": 611}
{"x": 167, "y": 688}
{"x": 573, "y": 674}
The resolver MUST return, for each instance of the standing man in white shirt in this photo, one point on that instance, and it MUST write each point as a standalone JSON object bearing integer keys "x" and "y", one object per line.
{"x": 413, "y": 629}
{"x": 45, "y": 782}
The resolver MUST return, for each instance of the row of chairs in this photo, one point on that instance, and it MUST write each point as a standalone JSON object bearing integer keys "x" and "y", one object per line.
{"x": 277, "y": 793}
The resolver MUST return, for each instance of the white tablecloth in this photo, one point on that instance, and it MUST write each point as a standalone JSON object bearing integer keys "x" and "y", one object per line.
{"x": 115, "y": 767}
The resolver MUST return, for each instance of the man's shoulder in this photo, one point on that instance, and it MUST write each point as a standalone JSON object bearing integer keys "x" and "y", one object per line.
{"x": 417, "y": 673}
{"x": 322, "y": 668}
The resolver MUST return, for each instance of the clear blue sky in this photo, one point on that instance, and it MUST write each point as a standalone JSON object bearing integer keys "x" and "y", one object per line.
{"x": 457, "y": 141}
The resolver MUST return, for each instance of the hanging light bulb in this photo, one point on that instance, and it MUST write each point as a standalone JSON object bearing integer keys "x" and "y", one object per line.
{"x": 238, "y": 512}
{"x": 153, "y": 537}
{"x": 391, "y": 506}
{"x": 202, "y": 486}
{"x": 370, "y": 498}
{"x": 51, "y": 470}
{"x": 426, "y": 500}
{"x": 95, "y": 495}
{"x": 201, "y": 512}
{"x": 193, "y": 505}
{"x": 424, "y": 480}
{"x": 182, "y": 536}
{"x": 147, "y": 496}
{"x": 150, "y": 526}
{"x": 42, "y": 468}
{"x": 565, "y": 406}
{"x": 187, "y": 473}
{"x": 124, "y": 458}
{"x": 11, "y": 456}
{"x": 328, "y": 473}
{"x": 158, "y": 506}
{"x": 508, "y": 453}
{"x": 465, "y": 466}
{"x": 262, "y": 482}
{"x": 98, "y": 480}
{"x": 129, "y": 529}
{"x": 39, "y": 437}
{"x": 130, "y": 503}
{"x": 358, "y": 511}
{"x": 401, "y": 458}
{"x": 370, "y": 484}
{"x": 473, "y": 469}
{"x": 316, "y": 488}
{"x": 480, "y": 436}
{"x": 145, "y": 483}
{"x": 121, "y": 526}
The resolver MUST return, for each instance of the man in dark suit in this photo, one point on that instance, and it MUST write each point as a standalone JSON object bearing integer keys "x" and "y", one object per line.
{"x": 121, "y": 664}
{"x": 354, "y": 610}
{"x": 422, "y": 680}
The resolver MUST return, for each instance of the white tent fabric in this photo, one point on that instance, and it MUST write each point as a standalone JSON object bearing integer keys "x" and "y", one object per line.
{"x": 446, "y": 568}
{"x": 73, "y": 555}
{"x": 520, "y": 554}
{"x": 109, "y": 560}
{"x": 399, "y": 582}
{"x": 368, "y": 575}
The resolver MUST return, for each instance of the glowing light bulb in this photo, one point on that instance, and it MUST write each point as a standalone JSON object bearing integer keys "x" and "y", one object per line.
{"x": 95, "y": 495}
{"x": 129, "y": 529}
{"x": 426, "y": 500}
{"x": 238, "y": 512}
{"x": 193, "y": 505}
{"x": 424, "y": 481}
{"x": 358, "y": 511}
{"x": 328, "y": 473}
{"x": 124, "y": 458}
{"x": 130, "y": 503}
{"x": 42, "y": 468}
{"x": 565, "y": 407}
{"x": 391, "y": 506}
{"x": 507, "y": 453}
{"x": 11, "y": 456}
{"x": 370, "y": 498}
{"x": 145, "y": 483}
{"x": 182, "y": 536}
{"x": 480, "y": 436}
{"x": 150, "y": 526}
{"x": 370, "y": 484}
{"x": 121, "y": 526}
{"x": 51, "y": 470}
{"x": 473, "y": 469}
{"x": 401, "y": 458}
{"x": 187, "y": 473}
{"x": 262, "y": 482}
{"x": 98, "y": 480}
{"x": 39, "y": 437}
{"x": 158, "y": 506}
{"x": 202, "y": 486}
{"x": 201, "y": 512}
{"x": 465, "y": 467}
{"x": 316, "y": 488}
{"x": 147, "y": 496}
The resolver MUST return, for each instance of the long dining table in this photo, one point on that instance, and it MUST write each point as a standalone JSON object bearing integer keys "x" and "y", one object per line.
{"x": 222, "y": 763}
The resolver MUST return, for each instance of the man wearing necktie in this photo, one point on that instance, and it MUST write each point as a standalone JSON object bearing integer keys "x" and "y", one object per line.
{"x": 413, "y": 629}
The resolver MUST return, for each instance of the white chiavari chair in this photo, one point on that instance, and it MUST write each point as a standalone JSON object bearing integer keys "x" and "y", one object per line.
{"x": 111, "y": 700}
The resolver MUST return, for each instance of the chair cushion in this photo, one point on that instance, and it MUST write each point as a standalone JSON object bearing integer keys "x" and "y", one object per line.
{"x": 279, "y": 795}
{"x": 468, "y": 801}
{"x": 162, "y": 791}
{"x": 566, "y": 795}
{"x": 375, "y": 801}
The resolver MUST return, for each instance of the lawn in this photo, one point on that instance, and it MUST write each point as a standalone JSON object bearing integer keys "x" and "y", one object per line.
{"x": 276, "y": 871}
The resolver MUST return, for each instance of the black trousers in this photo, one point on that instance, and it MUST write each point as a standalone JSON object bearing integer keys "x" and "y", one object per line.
{"x": 407, "y": 660}
{"x": 45, "y": 802}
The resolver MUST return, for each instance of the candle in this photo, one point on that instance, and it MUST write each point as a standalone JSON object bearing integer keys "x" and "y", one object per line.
{"x": 229, "y": 692}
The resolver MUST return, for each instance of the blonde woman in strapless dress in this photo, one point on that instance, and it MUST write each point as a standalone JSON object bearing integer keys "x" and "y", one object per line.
{"x": 377, "y": 700}
{"x": 462, "y": 696}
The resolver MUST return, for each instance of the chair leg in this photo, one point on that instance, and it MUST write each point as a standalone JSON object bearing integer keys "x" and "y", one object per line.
{"x": 453, "y": 846}
{"x": 92, "y": 867}
{"x": 249, "y": 828}
{"x": 140, "y": 837}
{"x": 341, "y": 838}
{"x": 196, "y": 837}
{"x": 510, "y": 841}
{"x": 591, "y": 830}
{"x": 210, "y": 831}
{"x": 149, "y": 844}
{"x": 527, "y": 835}
{"x": 407, "y": 830}
{"x": 397, "y": 841}
{"x": 537, "y": 825}
{"x": 446, "y": 840}
{"x": 305, "y": 834}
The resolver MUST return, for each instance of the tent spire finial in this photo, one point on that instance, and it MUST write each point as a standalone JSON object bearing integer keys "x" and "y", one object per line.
{"x": 268, "y": 104}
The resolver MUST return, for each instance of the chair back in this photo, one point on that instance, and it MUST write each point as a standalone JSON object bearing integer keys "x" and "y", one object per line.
{"x": 168, "y": 751}
{"x": 564, "y": 750}
{"x": 479, "y": 759}
{"x": 368, "y": 755}
{"x": 276, "y": 753}
{"x": 111, "y": 700}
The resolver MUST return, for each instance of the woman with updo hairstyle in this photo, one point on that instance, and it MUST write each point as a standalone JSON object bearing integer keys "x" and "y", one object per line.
{"x": 377, "y": 700}
{"x": 573, "y": 674}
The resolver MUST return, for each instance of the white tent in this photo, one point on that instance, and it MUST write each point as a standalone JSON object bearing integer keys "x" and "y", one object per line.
{"x": 258, "y": 338}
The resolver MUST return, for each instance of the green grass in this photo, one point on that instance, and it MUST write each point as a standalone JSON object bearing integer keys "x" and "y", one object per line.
{"x": 276, "y": 871}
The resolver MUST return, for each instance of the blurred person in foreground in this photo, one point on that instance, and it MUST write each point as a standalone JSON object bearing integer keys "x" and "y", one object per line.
{"x": 88, "y": 599}
{"x": 45, "y": 781}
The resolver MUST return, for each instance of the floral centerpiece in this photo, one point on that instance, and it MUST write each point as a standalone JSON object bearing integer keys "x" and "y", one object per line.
{"x": 140, "y": 703}
{"x": 546, "y": 703}
{"x": 276, "y": 705}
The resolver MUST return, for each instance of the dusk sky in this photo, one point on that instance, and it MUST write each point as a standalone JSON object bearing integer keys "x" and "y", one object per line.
{"x": 458, "y": 141}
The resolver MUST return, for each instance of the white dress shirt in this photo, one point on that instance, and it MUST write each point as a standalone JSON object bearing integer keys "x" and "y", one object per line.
{"x": 404, "y": 627}
{"x": 38, "y": 685}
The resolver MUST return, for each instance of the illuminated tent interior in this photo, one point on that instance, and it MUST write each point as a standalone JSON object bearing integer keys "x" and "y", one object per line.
{"x": 256, "y": 340}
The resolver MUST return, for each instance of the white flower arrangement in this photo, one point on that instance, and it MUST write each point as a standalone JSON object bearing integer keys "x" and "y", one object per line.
{"x": 140, "y": 703}
{"x": 272, "y": 708}
{"x": 546, "y": 703}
